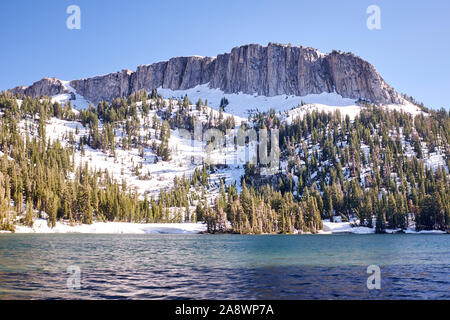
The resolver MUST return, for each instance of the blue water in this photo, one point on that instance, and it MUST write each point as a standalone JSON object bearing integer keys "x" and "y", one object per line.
{"x": 224, "y": 266}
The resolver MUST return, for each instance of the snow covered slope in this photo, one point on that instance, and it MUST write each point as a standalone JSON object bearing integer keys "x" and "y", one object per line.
{"x": 145, "y": 172}
{"x": 242, "y": 105}
{"x": 76, "y": 100}
{"x": 187, "y": 155}
{"x": 154, "y": 175}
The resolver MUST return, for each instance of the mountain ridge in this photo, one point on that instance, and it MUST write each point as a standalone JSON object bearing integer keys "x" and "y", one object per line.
{"x": 269, "y": 70}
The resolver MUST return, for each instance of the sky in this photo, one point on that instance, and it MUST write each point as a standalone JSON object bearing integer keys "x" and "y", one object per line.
{"x": 411, "y": 51}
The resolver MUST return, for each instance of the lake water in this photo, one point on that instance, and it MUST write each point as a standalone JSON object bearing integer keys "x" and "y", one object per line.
{"x": 35, "y": 266}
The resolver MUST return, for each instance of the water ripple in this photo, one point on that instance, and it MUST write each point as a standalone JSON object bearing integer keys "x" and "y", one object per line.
{"x": 225, "y": 267}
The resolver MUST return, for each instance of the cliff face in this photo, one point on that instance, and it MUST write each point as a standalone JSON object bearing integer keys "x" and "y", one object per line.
{"x": 265, "y": 70}
{"x": 44, "y": 87}
{"x": 105, "y": 87}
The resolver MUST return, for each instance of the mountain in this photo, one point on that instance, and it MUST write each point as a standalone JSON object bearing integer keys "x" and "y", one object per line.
{"x": 343, "y": 165}
{"x": 269, "y": 71}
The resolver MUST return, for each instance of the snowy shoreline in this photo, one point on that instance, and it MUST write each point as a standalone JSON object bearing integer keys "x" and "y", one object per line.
{"x": 346, "y": 228}
{"x": 40, "y": 226}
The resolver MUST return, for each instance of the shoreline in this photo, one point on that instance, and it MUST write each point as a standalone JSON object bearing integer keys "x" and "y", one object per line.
{"x": 40, "y": 227}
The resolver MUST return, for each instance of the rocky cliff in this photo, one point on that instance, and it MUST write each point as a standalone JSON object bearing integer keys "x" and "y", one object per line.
{"x": 44, "y": 87}
{"x": 265, "y": 70}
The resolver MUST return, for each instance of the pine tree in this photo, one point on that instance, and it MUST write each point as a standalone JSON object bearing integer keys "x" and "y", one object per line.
{"x": 29, "y": 214}
{"x": 380, "y": 226}
{"x": 52, "y": 210}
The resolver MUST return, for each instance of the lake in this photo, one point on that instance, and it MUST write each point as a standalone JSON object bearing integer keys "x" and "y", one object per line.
{"x": 90, "y": 266}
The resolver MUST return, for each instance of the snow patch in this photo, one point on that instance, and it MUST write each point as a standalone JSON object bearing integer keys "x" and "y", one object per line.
{"x": 242, "y": 104}
{"x": 40, "y": 226}
{"x": 80, "y": 103}
{"x": 347, "y": 227}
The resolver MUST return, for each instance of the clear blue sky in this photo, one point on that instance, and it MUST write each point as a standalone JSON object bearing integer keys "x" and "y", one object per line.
{"x": 411, "y": 51}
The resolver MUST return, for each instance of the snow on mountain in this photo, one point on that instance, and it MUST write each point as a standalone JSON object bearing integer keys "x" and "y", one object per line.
{"x": 351, "y": 110}
{"x": 242, "y": 104}
{"x": 186, "y": 156}
{"x": 148, "y": 174}
{"x": 76, "y": 100}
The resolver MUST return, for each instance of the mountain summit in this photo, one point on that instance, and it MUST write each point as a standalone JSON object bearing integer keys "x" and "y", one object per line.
{"x": 254, "y": 69}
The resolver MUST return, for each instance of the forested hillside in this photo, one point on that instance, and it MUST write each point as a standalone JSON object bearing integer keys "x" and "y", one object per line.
{"x": 126, "y": 161}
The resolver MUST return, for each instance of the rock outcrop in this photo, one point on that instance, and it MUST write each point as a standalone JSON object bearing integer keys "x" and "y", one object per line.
{"x": 105, "y": 87}
{"x": 265, "y": 70}
{"x": 44, "y": 87}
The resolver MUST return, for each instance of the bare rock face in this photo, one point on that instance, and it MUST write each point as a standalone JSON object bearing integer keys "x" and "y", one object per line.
{"x": 105, "y": 87}
{"x": 253, "y": 69}
{"x": 44, "y": 87}
{"x": 272, "y": 70}
{"x": 355, "y": 78}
